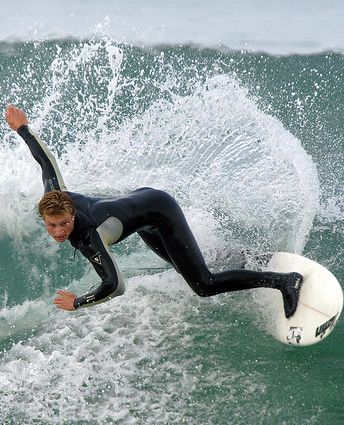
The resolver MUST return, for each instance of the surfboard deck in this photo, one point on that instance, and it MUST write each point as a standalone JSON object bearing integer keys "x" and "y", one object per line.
{"x": 320, "y": 303}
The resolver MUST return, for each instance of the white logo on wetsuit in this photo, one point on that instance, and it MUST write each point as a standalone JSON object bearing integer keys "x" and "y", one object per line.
{"x": 97, "y": 258}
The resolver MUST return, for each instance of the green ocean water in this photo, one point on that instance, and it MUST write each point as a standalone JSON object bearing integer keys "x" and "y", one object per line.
{"x": 251, "y": 145}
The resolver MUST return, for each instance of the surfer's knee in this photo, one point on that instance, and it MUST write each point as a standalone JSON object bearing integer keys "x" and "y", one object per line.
{"x": 203, "y": 287}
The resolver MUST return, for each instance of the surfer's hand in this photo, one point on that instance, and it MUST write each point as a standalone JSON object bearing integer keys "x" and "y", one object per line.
{"x": 65, "y": 300}
{"x": 15, "y": 117}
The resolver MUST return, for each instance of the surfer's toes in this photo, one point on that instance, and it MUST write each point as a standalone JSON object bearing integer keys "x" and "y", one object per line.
{"x": 291, "y": 293}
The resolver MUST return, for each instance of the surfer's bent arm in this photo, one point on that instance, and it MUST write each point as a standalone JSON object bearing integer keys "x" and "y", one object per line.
{"x": 112, "y": 284}
{"x": 52, "y": 178}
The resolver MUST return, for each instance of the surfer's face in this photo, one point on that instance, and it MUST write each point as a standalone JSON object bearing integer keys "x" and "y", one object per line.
{"x": 59, "y": 226}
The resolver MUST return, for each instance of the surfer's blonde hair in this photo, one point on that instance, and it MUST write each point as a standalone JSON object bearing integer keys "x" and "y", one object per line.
{"x": 56, "y": 203}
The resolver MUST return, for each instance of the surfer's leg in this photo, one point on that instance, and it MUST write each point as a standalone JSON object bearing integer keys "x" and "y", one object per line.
{"x": 236, "y": 280}
{"x": 176, "y": 242}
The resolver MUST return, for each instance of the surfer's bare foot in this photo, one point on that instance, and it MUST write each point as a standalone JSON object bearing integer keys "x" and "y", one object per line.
{"x": 291, "y": 293}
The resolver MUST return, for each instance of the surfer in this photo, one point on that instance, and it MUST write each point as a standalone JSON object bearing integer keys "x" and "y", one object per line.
{"x": 91, "y": 225}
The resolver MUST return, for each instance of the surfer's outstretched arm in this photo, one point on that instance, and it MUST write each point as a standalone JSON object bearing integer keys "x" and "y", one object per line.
{"x": 52, "y": 178}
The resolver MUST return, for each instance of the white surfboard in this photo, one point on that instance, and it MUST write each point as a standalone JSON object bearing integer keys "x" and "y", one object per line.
{"x": 320, "y": 303}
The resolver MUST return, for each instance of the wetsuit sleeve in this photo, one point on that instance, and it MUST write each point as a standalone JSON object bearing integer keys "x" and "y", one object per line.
{"x": 112, "y": 284}
{"x": 52, "y": 178}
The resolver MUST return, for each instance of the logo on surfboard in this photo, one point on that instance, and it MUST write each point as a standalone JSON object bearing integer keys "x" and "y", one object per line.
{"x": 321, "y": 330}
{"x": 294, "y": 335}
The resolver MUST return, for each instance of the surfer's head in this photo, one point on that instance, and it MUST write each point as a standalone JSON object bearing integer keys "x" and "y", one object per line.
{"x": 58, "y": 212}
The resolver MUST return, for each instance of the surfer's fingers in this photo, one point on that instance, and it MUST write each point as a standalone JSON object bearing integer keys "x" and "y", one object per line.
{"x": 58, "y": 300}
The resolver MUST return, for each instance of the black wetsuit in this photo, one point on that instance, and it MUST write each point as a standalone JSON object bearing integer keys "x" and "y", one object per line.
{"x": 159, "y": 221}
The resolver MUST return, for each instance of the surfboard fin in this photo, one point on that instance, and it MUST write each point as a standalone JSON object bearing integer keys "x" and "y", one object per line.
{"x": 291, "y": 293}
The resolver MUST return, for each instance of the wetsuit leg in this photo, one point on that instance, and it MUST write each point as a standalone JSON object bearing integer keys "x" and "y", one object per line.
{"x": 170, "y": 236}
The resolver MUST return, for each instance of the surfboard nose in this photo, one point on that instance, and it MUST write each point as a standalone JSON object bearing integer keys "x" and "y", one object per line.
{"x": 319, "y": 305}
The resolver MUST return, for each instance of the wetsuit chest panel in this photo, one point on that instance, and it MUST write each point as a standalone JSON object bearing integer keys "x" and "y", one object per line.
{"x": 110, "y": 230}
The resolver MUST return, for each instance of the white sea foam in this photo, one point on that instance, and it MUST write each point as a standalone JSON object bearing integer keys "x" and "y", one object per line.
{"x": 213, "y": 149}
{"x": 115, "y": 364}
